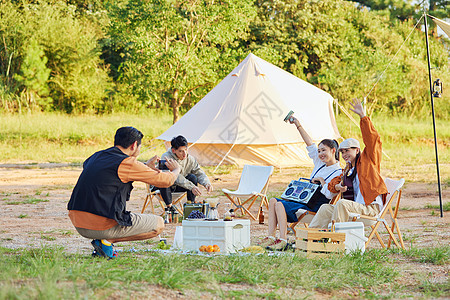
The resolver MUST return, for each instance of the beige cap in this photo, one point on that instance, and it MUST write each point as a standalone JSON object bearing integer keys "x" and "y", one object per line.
{"x": 349, "y": 143}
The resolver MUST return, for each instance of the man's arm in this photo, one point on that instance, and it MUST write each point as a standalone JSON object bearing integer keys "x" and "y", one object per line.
{"x": 199, "y": 173}
{"x": 202, "y": 177}
{"x": 192, "y": 167}
{"x": 132, "y": 170}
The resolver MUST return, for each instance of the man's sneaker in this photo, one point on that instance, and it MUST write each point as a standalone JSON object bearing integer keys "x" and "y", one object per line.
{"x": 267, "y": 241}
{"x": 95, "y": 254}
{"x": 278, "y": 245}
{"x": 103, "y": 248}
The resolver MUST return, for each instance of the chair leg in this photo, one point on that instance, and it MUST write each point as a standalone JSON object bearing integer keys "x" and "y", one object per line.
{"x": 145, "y": 204}
{"x": 374, "y": 232}
{"x": 266, "y": 202}
{"x": 249, "y": 203}
{"x": 253, "y": 199}
{"x": 178, "y": 201}
{"x": 232, "y": 200}
{"x": 161, "y": 203}
{"x": 292, "y": 227}
{"x": 299, "y": 219}
{"x": 263, "y": 201}
{"x": 399, "y": 234}
{"x": 247, "y": 210}
{"x": 379, "y": 239}
{"x": 240, "y": 205}
{"x": 250, "y": 214}
{"x": 395, "y": 226}
{"x": 391, "y": 234}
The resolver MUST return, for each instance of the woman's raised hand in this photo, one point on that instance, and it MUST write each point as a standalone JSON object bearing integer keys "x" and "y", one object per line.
{"x": 294, "y": 120}
{"x": 357, "y": 108}
{"x": 305, "y": 136}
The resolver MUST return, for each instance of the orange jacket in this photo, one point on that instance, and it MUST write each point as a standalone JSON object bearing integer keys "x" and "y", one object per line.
{"x": 371, "y": 184}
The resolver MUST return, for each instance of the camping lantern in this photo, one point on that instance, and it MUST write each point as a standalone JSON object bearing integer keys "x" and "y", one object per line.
{"x": 437, "y": 88}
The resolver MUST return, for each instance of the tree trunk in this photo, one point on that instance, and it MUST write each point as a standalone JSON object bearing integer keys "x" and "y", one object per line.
{"x": 175, "y": 106}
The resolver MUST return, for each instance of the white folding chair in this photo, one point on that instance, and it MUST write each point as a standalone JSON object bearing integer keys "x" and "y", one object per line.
{"x": 392, "y": 199}
{"x": 253, "y": 183}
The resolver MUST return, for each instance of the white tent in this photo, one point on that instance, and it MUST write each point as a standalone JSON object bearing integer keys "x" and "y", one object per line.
{"x": 442, "y": 24}
{"x": 240, "y": 121}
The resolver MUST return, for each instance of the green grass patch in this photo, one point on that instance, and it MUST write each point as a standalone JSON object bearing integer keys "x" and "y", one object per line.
{"x": 445, "y": 206}
{"x": 48, "y": 238}
{"x": 55, "y": 137}
{"x": 28, "y": 200}
{"x": 50, "y": 271}
{"x": 436, "y": 255}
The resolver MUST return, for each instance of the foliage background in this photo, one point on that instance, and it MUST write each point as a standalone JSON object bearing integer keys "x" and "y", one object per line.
{"x": 94, "y": 56}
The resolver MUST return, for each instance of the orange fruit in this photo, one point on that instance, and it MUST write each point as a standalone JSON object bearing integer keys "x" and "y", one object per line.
{"x": 210, "y": 249}
{"x": 216, "y": 248}
{"x": 202, "y": 248}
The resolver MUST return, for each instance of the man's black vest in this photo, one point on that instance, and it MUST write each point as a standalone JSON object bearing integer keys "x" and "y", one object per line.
{"x": 99, "y": 190}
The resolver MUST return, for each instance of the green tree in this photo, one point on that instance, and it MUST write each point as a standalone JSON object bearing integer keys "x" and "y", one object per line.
{"x": 400, "y": 9}
{"x": 78, "y": 82}
{"x": 348, "y": 52}
{"x": 408, "y": 9}
{"x": 171, "y": 49}
{"x": 33, "y": 75}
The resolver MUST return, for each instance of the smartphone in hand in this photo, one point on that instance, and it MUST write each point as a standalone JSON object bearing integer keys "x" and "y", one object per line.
{"x": 162, "y": 164}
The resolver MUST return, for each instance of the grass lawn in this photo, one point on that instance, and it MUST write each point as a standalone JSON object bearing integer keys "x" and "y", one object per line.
{"x": 49, "y": 273}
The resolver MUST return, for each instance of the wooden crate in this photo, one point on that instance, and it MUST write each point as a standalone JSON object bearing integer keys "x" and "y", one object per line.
{"x": 319, "y": 242}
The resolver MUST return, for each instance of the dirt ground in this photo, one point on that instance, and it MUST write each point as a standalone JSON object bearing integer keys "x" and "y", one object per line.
{"x": 34, "y": 199}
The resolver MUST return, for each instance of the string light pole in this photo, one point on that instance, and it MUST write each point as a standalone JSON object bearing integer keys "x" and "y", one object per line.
{"x": 435, "y": 91}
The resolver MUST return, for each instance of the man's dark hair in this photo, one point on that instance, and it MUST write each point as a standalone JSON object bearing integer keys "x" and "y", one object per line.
{"x": 178, "y": 142}
{"x": 125, "y": 136}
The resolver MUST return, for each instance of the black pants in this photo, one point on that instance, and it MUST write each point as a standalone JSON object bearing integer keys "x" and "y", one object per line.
{"x": 166, "y": 193}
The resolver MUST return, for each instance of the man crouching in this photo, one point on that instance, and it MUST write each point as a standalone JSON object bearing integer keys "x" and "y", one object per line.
{"x": 97, "y": 207}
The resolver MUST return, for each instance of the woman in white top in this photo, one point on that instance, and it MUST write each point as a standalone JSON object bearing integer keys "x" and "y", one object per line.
{"x": 326, "y": 166}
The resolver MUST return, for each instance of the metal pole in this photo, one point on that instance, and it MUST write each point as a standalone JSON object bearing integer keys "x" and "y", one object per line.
{"x": 432, "y": 111}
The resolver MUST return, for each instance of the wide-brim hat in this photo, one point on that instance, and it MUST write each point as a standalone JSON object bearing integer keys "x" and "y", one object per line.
{"x": 349, "y": 143}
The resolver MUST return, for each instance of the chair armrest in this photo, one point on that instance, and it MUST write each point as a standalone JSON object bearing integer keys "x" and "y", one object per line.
{"x": 227, "y": 191}
{"x": 367, "y": 217}
{"x": 239, "y": 194}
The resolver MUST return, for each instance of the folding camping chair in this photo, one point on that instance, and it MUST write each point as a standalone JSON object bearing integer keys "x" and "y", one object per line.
{"x": 302, "y": 215}
{"x": 152, "y": 194}
{"x": 253, "y": 183}
{"x": 392, "y": 198}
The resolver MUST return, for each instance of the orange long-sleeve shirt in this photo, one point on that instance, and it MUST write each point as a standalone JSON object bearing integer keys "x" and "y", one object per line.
{"x": 371, "y": 184}
{"x": 129, "y": 170}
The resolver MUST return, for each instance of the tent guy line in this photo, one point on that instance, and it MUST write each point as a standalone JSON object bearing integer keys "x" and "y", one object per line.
{"x": 379, "y": 78}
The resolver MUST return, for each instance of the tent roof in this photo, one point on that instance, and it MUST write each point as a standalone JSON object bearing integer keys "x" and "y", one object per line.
{"x": 248, "y": 107}
{"x": 442, "y": 24}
